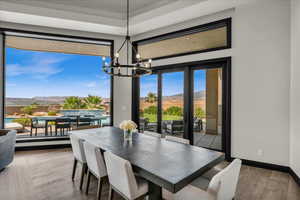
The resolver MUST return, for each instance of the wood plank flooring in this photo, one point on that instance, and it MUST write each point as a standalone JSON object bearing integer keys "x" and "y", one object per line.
{"x": 46, "y": 175}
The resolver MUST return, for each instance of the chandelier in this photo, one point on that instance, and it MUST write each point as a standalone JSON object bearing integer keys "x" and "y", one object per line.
{"x": 115, "y": 68}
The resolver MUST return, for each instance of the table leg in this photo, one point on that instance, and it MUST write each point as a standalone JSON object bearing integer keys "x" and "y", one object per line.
{"x": 46, "y": 128}
{"x": 155, "y": 191}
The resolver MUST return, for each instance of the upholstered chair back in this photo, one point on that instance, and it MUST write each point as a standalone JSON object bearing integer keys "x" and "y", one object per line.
{"x": 94, "y": 159}
{"x": 77, "y": 148}
{"x": 224, "y": 184}
{"x": 120, "y": 175}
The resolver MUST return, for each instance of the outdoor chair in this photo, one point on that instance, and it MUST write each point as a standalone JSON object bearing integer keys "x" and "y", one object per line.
{"x": 62, "y": 124}
{"x": 198, "y": 124}
{"x": 143, "y": 124}
{"x": 84, "y": 121}
{"x": 175, "y": 126}
{"x": 35, "y": 124}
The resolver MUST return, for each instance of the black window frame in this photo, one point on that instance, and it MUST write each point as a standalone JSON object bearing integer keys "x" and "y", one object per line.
{"x": 188, "y": 68}
{"x": 196, "y": 29}
{"x": 3, "y": 33}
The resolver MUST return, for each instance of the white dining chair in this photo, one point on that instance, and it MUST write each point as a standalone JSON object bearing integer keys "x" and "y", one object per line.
{"x": 221, "y": 187}
{"x": 79, "y": 156}
{"x": 150, "y": 133}
{"x": 96, "y": 166}
{"x": 122, "y": 179}
{"x": 177, "y": 139}
{"x": 207, "y": 176}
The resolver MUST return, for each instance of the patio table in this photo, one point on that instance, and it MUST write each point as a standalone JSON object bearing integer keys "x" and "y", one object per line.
{"x": 73, "y": 119}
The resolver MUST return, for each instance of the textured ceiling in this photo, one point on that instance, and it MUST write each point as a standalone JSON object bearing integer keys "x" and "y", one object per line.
{"x": 109, "y": 8}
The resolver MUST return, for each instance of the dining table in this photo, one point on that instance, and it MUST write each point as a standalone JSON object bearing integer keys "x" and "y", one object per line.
{"x": 164, "y": 164}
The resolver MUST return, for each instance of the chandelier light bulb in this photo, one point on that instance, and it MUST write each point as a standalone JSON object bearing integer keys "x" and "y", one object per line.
{"x": 117, "y": 55}
{"x": 150, "y": 60}
{"x": 138, "y": 56}
{"x": 103, "y": 58}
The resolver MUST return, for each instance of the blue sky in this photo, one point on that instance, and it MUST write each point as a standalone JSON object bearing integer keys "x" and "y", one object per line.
{"x": 32, "y": 73}
{"x": 172, "y": 83}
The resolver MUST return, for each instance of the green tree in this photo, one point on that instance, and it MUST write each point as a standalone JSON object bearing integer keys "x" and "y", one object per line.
{"x": 151, "y": 97}
{"x": 93, "y": 102}
{"x": 29, "y": 109}
{"x": 199, "y": 113}
{"x": 151, "y": 110}
{"x": 74, "y": 103}
{"x": 174, "y": 110}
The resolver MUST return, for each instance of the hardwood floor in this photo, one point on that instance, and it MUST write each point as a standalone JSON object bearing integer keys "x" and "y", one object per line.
{"x": 46, "y": 175}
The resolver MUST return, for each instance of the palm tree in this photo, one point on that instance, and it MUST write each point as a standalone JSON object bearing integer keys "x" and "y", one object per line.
{"x": 74, "y": 103}
{"x": 151, "y": 97}
{"x": 93, "y": 102}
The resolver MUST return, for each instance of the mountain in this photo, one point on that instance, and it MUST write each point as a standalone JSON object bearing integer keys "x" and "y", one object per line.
{"x": 197, "y": 95}
{"x": 38, "y": 100}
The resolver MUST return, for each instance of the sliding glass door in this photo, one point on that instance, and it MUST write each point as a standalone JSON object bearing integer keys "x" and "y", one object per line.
{"x": 148, "y": 103}
{"x": 191, "y": 101}
{"x": 172, "y": 103}
{"x": 207, "y": 108}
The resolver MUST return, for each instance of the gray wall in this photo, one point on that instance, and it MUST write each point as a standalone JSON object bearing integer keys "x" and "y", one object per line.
{"x": 295, "y": 88}
{"x": 260, "y": 77}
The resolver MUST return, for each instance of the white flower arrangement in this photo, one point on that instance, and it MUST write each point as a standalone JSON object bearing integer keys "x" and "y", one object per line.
{"x": 128, "y": 125}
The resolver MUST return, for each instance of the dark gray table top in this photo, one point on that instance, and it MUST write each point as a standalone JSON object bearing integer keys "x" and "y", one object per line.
{"x": 170, "y": 165}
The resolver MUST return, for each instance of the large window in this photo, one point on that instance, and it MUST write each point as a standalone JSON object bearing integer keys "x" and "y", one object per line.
{"x": 207, "y": 37}
{"x": 55, "y": 84}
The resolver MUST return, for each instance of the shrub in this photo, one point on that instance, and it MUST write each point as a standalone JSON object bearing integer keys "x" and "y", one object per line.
{"x": 23, "y": 121}
{"x": 199, "y": 113}
{"x": 93, "y": 102}
{"x": 52, "y": 113}
{"x": 74, "y": 103}
{"x": 141, "y": 113}
{"x": 151, "y": 110}
{"x": 29, "y": 109}
{"x": 174, "y": 110}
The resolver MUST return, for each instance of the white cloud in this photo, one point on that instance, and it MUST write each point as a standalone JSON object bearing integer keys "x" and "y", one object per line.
{"x": 39, "y": 67}
{"x": 91, "y": 84}
{"x": 11, "y": 84}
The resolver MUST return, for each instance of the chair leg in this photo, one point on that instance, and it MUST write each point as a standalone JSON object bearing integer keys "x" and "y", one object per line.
{"x": 50, "y": 130}
{"x": 55, "y": 131}
{"x": 88, "y": 182}
{"x": 74, "y": 169}
{"x": 82, "y": 175}
{"x": 111, "y": 193}
{"x": 100, "y": 183}
{"x": 35, "y": 131}
{"x": 31, "y": 131}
